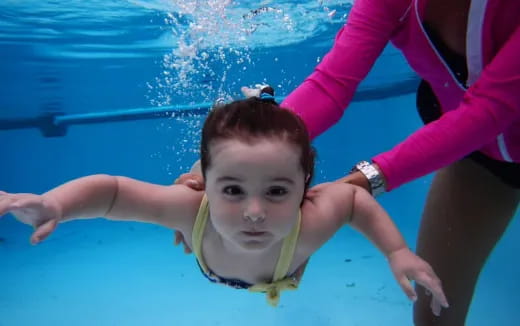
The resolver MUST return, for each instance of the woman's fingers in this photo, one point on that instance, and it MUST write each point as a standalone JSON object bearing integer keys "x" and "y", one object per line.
{"x": 194, "y": 181}
{"x": 194, "y": 184}
{"x": 179, "y": 238}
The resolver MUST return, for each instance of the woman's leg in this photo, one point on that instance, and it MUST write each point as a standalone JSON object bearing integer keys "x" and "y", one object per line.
{"x": 467, "y": 211}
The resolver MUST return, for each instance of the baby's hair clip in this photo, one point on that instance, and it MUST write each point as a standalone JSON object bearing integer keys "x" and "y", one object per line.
{"x": 266, "y": 97}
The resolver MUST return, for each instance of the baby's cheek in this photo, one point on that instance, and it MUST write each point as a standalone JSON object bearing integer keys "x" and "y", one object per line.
{"x": 284, "y": 221}
{"x": 228, "y": 214}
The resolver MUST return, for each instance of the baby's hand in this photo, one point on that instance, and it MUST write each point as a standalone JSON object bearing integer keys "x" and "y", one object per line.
{"x": 38, "y": 211}
{"x": 407, "y": 267}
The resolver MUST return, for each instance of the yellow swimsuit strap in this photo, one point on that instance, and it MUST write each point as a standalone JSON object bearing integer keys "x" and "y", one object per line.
{"x": 198, "y": 232}
{"x": 280, "y": 280}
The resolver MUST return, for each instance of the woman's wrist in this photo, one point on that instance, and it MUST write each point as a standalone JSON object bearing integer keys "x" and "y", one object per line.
{"x": 374, "y": 182}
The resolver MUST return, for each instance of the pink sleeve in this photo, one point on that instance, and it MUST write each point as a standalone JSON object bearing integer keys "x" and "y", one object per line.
{"x": 321, "y": 99}
{"x": 488, "y": 108}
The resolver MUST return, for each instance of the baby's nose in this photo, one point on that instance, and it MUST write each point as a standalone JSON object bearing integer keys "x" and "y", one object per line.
{"x": 255, "y": 218}
{"x": 254, "y": 211}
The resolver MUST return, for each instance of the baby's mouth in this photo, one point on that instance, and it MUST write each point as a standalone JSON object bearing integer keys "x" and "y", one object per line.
{"x": 254, "y": 233}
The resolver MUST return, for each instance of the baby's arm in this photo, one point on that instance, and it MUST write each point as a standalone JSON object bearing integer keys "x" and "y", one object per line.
{"x": 368, "y": 217}
{"x": 120, "y": 198}
{"x": 372, "y": 220}
{"x": 339, "y": 203}
{"x": 117, "y": 198}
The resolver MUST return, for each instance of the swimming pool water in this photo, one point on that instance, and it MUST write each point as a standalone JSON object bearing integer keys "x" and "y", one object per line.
{"x": 98, "y": 272}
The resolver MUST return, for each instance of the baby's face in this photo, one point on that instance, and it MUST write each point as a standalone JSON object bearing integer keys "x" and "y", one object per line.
{"x": 254, "y": 191}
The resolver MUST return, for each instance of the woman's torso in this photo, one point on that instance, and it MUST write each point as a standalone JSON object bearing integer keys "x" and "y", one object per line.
{"x": 454, "y": 25}
{"x": 448, "y": 18}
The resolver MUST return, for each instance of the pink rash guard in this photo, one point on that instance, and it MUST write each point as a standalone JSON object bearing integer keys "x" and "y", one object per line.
{"x": 482, "y": 115}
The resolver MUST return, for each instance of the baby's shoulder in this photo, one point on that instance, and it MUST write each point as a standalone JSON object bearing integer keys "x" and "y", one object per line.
{"x": 326, "y": 208}
{"x": 184, "y": 207}
{"x": 328, "y": 195}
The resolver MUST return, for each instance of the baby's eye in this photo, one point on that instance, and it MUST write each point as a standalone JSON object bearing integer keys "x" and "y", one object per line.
{"x": 233, "y": 190}
{"x": 277, "y": 191}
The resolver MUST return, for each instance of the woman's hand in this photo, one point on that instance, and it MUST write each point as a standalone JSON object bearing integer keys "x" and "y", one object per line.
{"x": 191, "y": 180}
{"x": 41, "y": 212}
{"x": 407, "y": 267}
{"x": 356, "y": 178}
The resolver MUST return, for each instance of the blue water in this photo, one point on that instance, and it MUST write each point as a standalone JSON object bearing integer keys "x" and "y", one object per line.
{"x": 104, "y": 56}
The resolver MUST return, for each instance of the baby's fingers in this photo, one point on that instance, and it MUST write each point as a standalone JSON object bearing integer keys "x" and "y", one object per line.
{"x": 407, "y": 287}
{"x": 435, "y": 305}
{"x": 433, "y": 285}
{"x": 4, "y": 204}
{"x": 8, "y": 202}
{"x": 43, "y": 231}
{"x": 26, "y": 202}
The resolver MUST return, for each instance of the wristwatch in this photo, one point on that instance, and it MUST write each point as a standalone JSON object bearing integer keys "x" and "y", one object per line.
{"x": 374, "y": 177}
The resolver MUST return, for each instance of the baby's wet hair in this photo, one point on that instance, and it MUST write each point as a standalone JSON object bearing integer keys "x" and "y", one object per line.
{"x": 254, "y": 118}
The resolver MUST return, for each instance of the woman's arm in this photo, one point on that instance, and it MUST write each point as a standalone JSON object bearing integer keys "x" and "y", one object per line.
{"x": 321, "y": 99}
{"x": 488, "y": 108}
